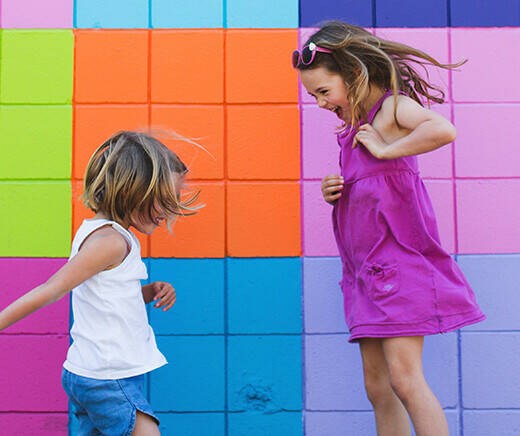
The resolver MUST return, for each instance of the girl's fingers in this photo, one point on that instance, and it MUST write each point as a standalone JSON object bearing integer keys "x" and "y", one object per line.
{"x": 333, "y": 197}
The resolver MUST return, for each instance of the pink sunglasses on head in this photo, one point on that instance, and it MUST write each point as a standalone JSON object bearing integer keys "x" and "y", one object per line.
{"x": 306, "y": 56}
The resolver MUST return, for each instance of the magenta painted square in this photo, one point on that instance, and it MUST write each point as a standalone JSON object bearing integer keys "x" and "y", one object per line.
{"x": 320, "y": 149}
{"x": 491, "y": 73}
{"x": 488, "y": 216}
{"x": 487, "y": 142}
{"x": 441, "y": 194}
{"x": 37, "y": 14}
{"x": 432, "y": 41}
{"x": 318, "y": 235}
{"x": 438, "y": 163}
{"x": 31, "y": 373}
{"x": 19, "y": 276}
{"x": 41, "y": 424}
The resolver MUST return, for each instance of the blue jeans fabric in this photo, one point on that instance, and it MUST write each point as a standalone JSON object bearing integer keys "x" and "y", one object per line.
{"x": 106, "y": 407}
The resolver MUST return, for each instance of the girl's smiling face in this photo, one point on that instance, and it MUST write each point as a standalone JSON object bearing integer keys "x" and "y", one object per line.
{"x": 329, "y": 90}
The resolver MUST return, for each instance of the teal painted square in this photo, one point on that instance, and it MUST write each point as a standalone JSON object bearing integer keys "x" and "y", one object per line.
{"x": 38, "y": 141}
{"x": 265, "y": 373}
{"x": 199, "y": 287}
{"x": 35, "y": 220}
{"x": 37, "y": 66}
{"x": 113, "y": 14}
{"x": 260, "y": 424}
{"x": 182, "y": 14}
{"x": 264, "y": 295}
{"x": 263, "y": 14}
{"x": 192, "y": 424}
{"x": 193, "y": 380}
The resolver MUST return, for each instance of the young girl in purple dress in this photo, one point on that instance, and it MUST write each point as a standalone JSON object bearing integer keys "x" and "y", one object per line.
{"x": 398, "y": 283}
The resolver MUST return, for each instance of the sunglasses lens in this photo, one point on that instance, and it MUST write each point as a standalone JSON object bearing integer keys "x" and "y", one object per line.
{"x": 307, "y": 55}
{"x": 295, "y": 58}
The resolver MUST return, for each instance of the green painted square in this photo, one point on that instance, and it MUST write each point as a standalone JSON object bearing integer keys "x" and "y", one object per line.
{"x": 35, "y": 219}
{"x": 37, "y": 66}
{"x": 37, "y": 141}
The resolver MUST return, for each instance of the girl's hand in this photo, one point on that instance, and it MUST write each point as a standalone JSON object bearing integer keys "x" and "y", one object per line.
{"x": 371, "y": 139}
{"x": 164, "y": 294}
{"x": 331, "y": 187}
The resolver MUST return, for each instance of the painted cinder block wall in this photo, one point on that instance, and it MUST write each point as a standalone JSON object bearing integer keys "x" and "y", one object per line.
{"x": 257, "y": 341}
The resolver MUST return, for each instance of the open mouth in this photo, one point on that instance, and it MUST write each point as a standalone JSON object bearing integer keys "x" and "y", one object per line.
{"x": 337, "y": 110}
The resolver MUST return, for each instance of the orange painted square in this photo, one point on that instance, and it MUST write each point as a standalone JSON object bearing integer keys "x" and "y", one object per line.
{"x": 111, "y": 66}
{"x": 187, "y": 66}
{"x": 200, "y": 235}
{"x": 263, "y": 219}
{"x": 80, "y": 212}
{"x": 263, "y": 142}
{"x": 93, "y": 125}
{"x": 258, "y": 66}
{"x": 202, "y": 124}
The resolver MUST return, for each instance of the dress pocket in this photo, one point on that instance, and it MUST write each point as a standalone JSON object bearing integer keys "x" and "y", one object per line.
{"x": 383, "y": 280}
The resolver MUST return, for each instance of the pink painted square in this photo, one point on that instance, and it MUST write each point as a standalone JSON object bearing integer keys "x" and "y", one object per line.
{"x": 37, "y": 14}
{"x": 320, "y": 149}
{"x": 487, "y": 142}
{"x": 41, "y": 424}
{"x": 19, "y": 276}
{"x": 318, "y": 236}
{"x": 31, "y": 373}
{"x": 491, "y": 73}
{"x": 441, "y": 195}
{"x": 438, "y": 163}
{"x": 488, "y": 216}
{"x": 433, "y": 42}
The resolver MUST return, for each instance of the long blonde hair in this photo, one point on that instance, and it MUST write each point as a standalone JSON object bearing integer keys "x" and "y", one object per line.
{"x": 362, "y": 58}
{"x": 134, "y": 172}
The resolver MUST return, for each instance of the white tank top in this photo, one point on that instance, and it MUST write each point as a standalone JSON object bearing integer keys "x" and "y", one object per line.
{"x": 111, "y": 335}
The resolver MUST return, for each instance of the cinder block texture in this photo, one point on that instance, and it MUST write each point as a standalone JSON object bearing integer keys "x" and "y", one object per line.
{"x": 31, "y": 14}
{"x": 487, "y": 422}
{"x": 409, "y": 13}
{"x": 199, "y": 287}
{"x": 350, "y": 11}
{"x": 181, "y": 14}
{"x": 264, "y": 373}
{"x": 41, "y": 424}
{"x": 264, "y": 295}
{"x": 116, "y": 14}
{"x": 192, "y": 424}
{"x": 256, "y": 424}
{"x": 262, "y": 14}
{"x": 466, "y": 13}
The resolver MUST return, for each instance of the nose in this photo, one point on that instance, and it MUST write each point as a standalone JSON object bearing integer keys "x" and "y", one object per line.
{"x": 322, "y": 102}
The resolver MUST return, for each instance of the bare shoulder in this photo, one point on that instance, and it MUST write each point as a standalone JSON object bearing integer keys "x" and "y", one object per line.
{"x": 108, "y": 242}
{"x": 409, "y": 113}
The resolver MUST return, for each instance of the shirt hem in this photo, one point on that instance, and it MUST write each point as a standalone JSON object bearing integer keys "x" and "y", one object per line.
{"x": 112, "y": 375}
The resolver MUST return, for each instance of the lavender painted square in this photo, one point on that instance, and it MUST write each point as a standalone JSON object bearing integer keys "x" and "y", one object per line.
{"x": 491, "y": 422}
{"x": 37, "y": 14}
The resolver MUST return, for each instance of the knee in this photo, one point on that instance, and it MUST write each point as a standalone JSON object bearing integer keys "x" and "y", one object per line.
{"x": 406, "y": 383}
{"x": 378, "y": 388}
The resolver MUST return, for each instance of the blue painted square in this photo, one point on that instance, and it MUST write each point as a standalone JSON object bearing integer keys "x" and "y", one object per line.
{"x": 262, "y": 14}
{"x": 256, "y": 424}
{"x": 485, "y": 13}
{"x": 494, "y": 278}
{"x": 264, "y": 373}
{"x": 113, "y": 14}
{"x": 182, "y": 14}
{"x": 191, "y": 424}
{"x": 490, "y": 376}
{"x": 411, "y": 13}
{"x": 264, "y": 295}
{"x": 199, "y": 287}
{"x": 358, "y": 12}
{"x": 491, "y": 422}
{"x": 193, "y": 379}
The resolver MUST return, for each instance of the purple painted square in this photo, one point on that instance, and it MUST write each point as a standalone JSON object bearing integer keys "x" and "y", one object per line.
{"x": 351, "y": 11}
{"x": 31, "y": 373}
{"x": 41, "y": 424}
{"x": 318, "y": 235}
{"x": 487, "y": 142}
{"x": 492, "y": 69}
{"x": 490, "y": 376}
{"x": 320, "y": 149}
{"x": 487, "y": 216}
{"x": 411, "y": 13}
{"x": 441, "y": 194}
{"x": 468, "y": 13}
{"x": 19, "y": 276}
{"x": 323, "y": 299}
{"x": 491, "y": 422}
{"x": 37, "y": 14}
{"x": 494, "y": 278}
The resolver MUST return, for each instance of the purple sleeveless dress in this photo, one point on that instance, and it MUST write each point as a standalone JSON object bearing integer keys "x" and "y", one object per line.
{"x": 397, "y": 279}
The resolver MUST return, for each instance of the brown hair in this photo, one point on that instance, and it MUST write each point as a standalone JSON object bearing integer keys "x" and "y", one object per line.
{"x": 362, "y": 58}
{"x": 133, "y": 171}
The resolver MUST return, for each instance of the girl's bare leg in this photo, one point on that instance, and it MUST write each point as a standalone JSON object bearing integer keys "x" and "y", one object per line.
{"x": 145, "y": 425}
{"x": 404, "y": 359}
{"x": 391, "y": 416}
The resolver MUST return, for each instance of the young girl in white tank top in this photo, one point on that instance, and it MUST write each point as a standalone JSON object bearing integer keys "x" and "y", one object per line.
{"x": 132, "y": 180}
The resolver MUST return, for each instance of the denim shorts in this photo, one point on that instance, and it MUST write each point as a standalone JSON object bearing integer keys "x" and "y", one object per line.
{"x": 106, "y": 407}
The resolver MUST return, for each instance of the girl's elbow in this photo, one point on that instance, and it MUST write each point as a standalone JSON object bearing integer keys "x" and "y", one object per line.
{"x": 451, "y": 133}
